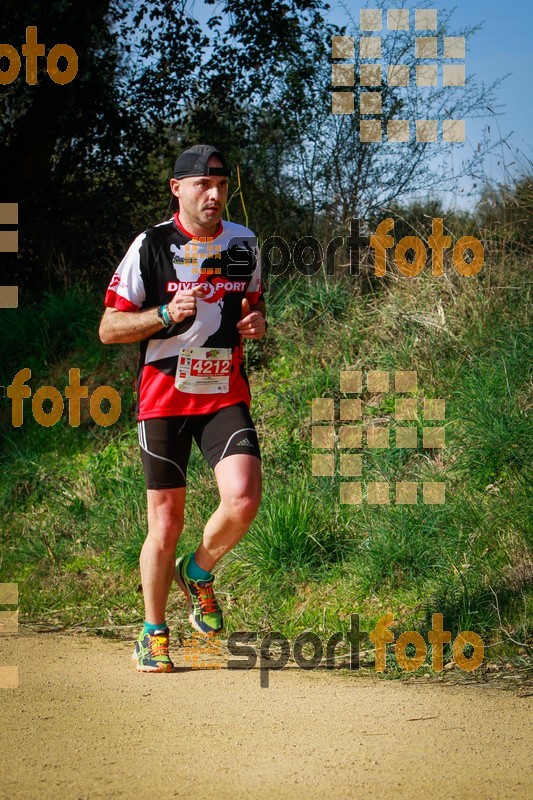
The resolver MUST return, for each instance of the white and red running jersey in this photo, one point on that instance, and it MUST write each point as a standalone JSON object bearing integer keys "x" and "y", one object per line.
{"x": 195, "y": 366}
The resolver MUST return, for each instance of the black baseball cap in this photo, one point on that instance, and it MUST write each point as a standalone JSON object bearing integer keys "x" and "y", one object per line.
{"x": 193, "y": 162}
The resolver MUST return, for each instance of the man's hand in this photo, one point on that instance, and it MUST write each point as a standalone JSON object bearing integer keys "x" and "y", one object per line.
{"x": 252, "y": 324}
{"x": 183, "y": 304}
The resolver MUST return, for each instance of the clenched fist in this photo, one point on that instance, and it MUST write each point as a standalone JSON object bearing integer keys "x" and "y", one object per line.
{"x": 252, "y": 324}
{"x": 183, "y": 304}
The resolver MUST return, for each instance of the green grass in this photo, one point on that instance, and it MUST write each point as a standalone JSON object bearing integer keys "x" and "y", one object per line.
{"x": 73, "y": 504}
{"x": 59, "y": 324}
{"x": 294, "y": 539}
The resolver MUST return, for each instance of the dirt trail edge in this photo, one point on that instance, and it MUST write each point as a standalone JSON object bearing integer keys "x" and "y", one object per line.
{"x": 83, "y": 725}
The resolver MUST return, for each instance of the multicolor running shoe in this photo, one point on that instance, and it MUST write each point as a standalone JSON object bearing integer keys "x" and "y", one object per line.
{"x": 205, "y": 614}
{"x": 151, "y": 652}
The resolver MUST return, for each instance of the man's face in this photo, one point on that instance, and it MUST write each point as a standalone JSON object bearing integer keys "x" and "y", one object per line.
{"x": 202, "y": 199}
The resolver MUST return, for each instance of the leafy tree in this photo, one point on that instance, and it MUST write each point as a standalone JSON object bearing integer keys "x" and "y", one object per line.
{"x": 61, "y": 144}
{"x": 342, "y": 176}
{"x": 89, "y": 161}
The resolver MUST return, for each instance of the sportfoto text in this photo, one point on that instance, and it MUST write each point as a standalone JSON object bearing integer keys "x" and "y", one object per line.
{"x": 308, "y": 256}
{"x": 381, "y": 636}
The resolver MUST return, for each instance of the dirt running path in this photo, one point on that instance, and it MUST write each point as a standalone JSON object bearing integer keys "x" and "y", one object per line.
{"x": 83, "y": 725}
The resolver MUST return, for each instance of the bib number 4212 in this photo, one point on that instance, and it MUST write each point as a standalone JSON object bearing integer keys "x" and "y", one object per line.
{"x": 210, "y": 366}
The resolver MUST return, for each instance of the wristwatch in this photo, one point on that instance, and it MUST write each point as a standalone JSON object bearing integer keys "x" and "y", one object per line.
{"x": 164, "y": 316}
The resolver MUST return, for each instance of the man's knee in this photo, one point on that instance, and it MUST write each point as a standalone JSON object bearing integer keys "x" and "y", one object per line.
{"x": 165, "y": 525}
{"x": 242, "y": 507}
{"x": 166, "y": 508}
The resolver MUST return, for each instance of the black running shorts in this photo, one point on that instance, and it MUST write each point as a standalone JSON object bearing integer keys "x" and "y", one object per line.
{"x": 166, "y": 442}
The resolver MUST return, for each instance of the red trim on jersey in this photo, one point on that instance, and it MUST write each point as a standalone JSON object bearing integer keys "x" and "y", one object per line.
{"x": 114, "y": 300}
{"x": 158, "y": 396}
{"x": 254, "y": 297}
{"x": 193, "y": 235}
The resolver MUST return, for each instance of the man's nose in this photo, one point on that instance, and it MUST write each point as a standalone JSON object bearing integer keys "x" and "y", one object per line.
{"x": 215, "y": 193}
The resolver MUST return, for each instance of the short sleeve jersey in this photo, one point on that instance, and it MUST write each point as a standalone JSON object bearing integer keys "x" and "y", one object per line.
{"x": 163, "y": 260}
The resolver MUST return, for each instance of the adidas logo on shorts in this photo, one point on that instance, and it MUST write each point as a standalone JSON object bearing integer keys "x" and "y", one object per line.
{"x": 244, "y": 443}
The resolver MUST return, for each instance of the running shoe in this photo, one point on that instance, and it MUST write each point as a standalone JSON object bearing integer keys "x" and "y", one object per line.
{"x": 205, "y": 614}
{"x": 151, "y": 652}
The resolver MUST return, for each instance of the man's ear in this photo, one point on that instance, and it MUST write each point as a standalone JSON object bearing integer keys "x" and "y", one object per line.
{"x": 175, "y": 186}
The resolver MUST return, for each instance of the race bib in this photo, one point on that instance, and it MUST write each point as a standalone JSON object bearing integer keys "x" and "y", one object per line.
{"x": 203, "y": 370}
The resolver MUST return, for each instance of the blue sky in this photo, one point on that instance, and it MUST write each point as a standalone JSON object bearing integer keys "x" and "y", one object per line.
{"x": 502, "y": 46}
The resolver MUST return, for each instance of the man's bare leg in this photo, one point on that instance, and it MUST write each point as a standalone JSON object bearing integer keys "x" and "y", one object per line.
{"x": 239, "y": 484}
{"x": 165, "y": 523}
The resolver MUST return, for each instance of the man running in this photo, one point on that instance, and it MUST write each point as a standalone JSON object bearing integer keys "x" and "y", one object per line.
{"x": 189, "y": 290}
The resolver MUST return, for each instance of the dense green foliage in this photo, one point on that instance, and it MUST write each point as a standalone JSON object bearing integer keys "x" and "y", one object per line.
{"x": 73, "y": 501}
{"x": 89, "y": 161}
{"x": 89, "y": 164}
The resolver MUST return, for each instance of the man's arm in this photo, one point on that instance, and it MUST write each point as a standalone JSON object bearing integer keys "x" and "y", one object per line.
{"x": 123, "y": 327}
